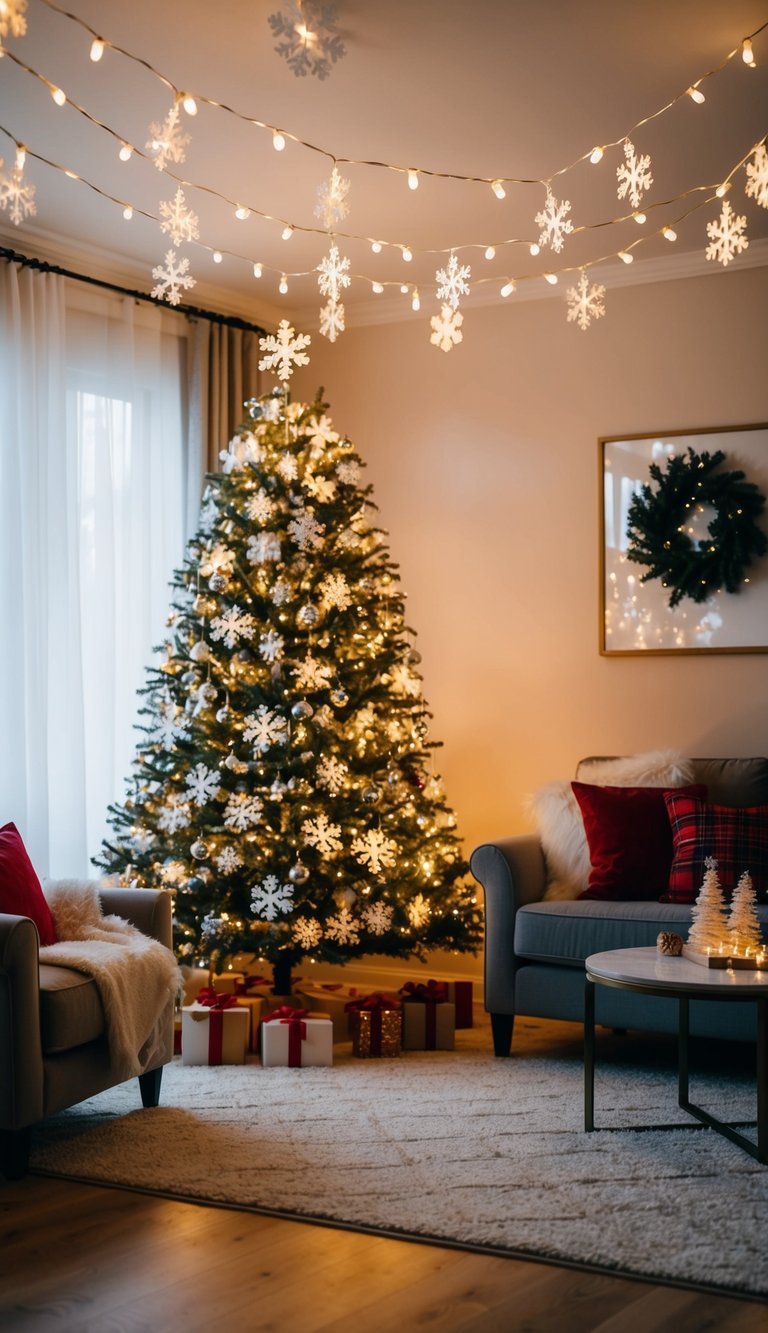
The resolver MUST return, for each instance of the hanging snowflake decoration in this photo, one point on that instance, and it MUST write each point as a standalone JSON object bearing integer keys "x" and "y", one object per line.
{"x": 260, "y": 508}
{"x": 12, "y": 20}
{"x": 280, "y": 592}
{"x": 288, "y": 467}
{"x": 446, "y": 328}
{"x": 334, "y": 592}
{"x": 203, "y": 784}
{"x": 263, "y": 548}
{"x": 331, "y": 773}
{"x": 342, "y": 928}
{"x": 142, "y": 839}
{"x": 349, "y": 472}
{"x": 307, "y": 934}
{"x": 265, "y": 729}
{"x": 585, "y": 302}
{"x": 175, "y": 814}
{"x": 233, "y": 625}
{"x": 168, "y": 724}
{"x": 321, "y": 432}
{"x": 332, "y": 320}
{"x": 16, "y": 195}
{"x": 285, "y": 350}
{"x": 633, "y": 174}
{"x": 322, "y": 489}
{"x": 333, "y": 274}
{"x": 168, "y": 142}
{"x": 332, "y": 206}
{"x": 312, "y": 674}
{"x": 377, "y": 918}
{"x": 241, "y": 452}
{"x": 271, "y": 897}
{"x": 555, "y": 226}
{"x": 220, "y": 560}
{"x": 375, "y": 850}
{"x": 305, "y": 531}
{"x": 726, "y": 235}
{"x": 757, "y": 176}
{"x": 308, "y": 41}
{"x": 210, "y": 926}
{"x": 323, "y": 835}
{"x": 228, "y": 860}
{"x": 271, "y": 646}
{"x": 171, "y": 279}
{"x": 418, "y": 911}
{"x": 243, "y": 811}
{"x": 178, "y": 220}
{"x": 452, "y": 282}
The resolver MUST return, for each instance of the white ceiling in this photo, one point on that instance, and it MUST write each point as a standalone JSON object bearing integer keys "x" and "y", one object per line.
{"x": 493, "y": 88}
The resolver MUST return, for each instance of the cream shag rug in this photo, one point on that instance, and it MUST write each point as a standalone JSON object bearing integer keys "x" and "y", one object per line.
{"x": 455, "y": 1146}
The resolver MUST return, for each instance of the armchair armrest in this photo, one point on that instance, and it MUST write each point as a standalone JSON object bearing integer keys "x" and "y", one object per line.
{"x": 147, "y": 909}
{"x": 512, "y": 872}
{"x": 21, "y": 1057}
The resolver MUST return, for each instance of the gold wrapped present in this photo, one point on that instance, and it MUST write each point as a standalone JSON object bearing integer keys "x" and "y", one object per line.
{"x": 377, "y": 1026}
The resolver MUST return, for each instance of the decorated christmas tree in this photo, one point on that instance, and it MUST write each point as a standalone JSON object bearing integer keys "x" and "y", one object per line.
{"x": 743, "y": 922}
{"x": 708, "y": 919}
{"x": 284, "y": 787}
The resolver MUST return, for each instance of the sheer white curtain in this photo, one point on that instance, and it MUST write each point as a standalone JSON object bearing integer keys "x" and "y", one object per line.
{"x": 94, "y": 493}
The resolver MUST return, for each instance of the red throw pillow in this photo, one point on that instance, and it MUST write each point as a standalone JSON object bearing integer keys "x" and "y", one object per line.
{"x": 629, "y": 840}
{"x": 737, "y": 837}
{"x": 20, "y": 891}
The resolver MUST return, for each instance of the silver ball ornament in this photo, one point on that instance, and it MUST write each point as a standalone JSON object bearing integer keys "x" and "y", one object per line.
{"x": 308, "y": 615}
{"x": 302, "y": 710}
{"x": 200, "y": 652}
{"x": 217, "y": 583}
{"x": 223, "y": 714}
{"x": 298, "y": 874}
{"x": 371, "y": 795}
{"x": 208, "y": 692}
{"x": 339, "y": 698}
{"x": 199, "y": 849}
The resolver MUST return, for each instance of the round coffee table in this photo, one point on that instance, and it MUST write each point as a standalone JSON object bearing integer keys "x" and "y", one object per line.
{"x": 652, "y": 973}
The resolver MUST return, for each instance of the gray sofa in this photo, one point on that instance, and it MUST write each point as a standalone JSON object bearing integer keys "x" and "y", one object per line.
{"x": 535, "y": 949}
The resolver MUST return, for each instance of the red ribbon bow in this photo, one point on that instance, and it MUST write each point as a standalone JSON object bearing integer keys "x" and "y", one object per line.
{"x": 433, "y": 992}
{"x": 377, "y": 1000}
{"x": 297, "y": 1030}
{"x": 212, "y": 999}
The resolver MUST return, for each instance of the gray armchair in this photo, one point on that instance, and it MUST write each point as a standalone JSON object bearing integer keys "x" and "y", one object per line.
{"x": 53, "y": 1045}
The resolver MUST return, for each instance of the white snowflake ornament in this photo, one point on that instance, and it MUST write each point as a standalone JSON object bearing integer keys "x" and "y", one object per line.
{"x": 312, "y": 674}
{"x": 178, "y": 220}
{"x": 305, "y": 531}
{"x": 175, "y": 814}
{"x": 17, "y": 196}
{"x": 332, "y": 206}
{"x": 585, "y": 302}
{"x": 309, "y": 41}
{"x": 374, "y": 850}
{"x": 203, "y": 784}
{"x": 233, "y": 625}
{"x": 331, "y": 773}
{"x": 172, "y": 279}
{"x": 260, "y": 508}
{"x": 284, "y": 351}
{"x": 271, "y": 646}
{"x": 265, "y": 729}
{"x": 243, "y": 811}
{"x": 271, "y": 897}
{"x": 446, "y": 328}
{"x": 452, "y": 282}
{"x": 288, "y": 467}
{"x": 555, "y": 226}
{"x": 757, "y": 176}
{"x": 323, "y": 835}
{"x": 333, "y": 274}
{"x": 168, "y": 141}
{"x": 343, "y": 928}
{"x": 634, "y": 175}
{"x": 332, "y": 320}
{"x": 307, "y": 934}
{"x": 377, "y": 918}
{"x": 228, "y": 860}
{"x": 334, "y": 592}
{"x": 726, "y": 235}
{"x": 419, "y": 911}
{"x": 320, "y": 431}
{"x": 323, "y": 489}
{"x": 263, "y": 548}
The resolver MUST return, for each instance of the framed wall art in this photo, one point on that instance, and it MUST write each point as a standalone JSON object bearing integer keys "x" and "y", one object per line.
{"x": 684, "y": 541}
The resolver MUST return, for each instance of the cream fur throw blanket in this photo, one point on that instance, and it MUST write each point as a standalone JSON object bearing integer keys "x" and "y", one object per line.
{"x": 137, "y": 977}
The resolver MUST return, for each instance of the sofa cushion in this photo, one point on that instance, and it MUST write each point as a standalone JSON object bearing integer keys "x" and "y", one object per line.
{"x": 737, "y": 838}
{"x": 20, "y": 891}
{"x": 568, "y": 932}
{"x": 733, "y": 781}
{"x": 70, "y": 1009}
{"x": 629, "y": 839}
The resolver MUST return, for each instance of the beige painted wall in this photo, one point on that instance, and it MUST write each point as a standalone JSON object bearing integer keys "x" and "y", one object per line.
{"x": 484, "y": 466}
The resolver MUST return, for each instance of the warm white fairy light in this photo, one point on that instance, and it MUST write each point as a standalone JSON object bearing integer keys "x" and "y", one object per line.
{"x": 723, "y": 189}
{"x": 404, "y": 288}
{"x": 498, "y": 189}
{"x": 490, "y": 252}
{"x": 128, "y": 213}
{"x": 241, "y": 213}
{"x": 287, "y": 233}
{"x": 413, "y": 179}
{"x": 415, "y": 301}
{"x": 377, "y": 287}
{"x": 257, "y": 270}
{"x": 534, "y": 248}
{"x": 551, "y": 277}
{"x": 97, "y": 50}
{"x": 507, "y": 289}
{"x": 21, "y": 156}
{"x": 626, "y": 256}
{"x": 126, "y": 153}
{"x": 376, "y": 247}
{"x": 217, "y": 256}
{"x": 669, "y": 233}
{"x": 283, "y": 285}
{"x": 747, "y": 54}
{"x": 189, "y": 104}
{"x": 640, "y": 218}
{"x": 278, "y": 141}
{"x": 597, "y": 154}
{"x": 58, "y": 95}
{"x": 407, "y": 254}
{"x": 695, "y": 94}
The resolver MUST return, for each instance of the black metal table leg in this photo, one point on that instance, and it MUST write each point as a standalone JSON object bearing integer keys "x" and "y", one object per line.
{"x": 589, "y": 1055}
{"x": 762, "y": 1080}
{"x": 683, "y": 1032}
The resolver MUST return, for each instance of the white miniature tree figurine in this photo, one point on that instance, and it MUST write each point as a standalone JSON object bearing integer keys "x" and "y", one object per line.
{"x": 743, "y": 923}
{"x": 708, "y": 917}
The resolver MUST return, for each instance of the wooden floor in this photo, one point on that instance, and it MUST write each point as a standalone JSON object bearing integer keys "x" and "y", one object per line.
{"x": 97, "y": 1260}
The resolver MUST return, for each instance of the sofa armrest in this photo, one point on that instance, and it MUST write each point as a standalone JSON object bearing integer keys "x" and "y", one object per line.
{"x": 512, "y": 872}
{"x": 21, "y": 1056}
{"x": 147, "y": 909}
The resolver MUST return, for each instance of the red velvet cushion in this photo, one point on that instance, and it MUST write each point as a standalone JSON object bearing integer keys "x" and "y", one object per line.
{"x": 737, "y": 837}
{"x": 20, "y": 892}
{"x": 629, "y": 840}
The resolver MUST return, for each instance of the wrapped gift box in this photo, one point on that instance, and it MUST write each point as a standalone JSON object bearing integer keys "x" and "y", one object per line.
{"x": 333, "y": 998}
{"x": 428, "y": 1026}
{"x": 256, "y": 1006}
{"x": 214, "y": 1036}
{"x": 196, "y": 978}
{"x": 296, "y": 1038}
{"x": 460, "y": 995}
{"x": 377, "y": 1026}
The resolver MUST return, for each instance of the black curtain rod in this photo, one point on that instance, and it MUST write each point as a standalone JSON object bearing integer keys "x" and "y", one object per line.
{"x": 193, "y": 311}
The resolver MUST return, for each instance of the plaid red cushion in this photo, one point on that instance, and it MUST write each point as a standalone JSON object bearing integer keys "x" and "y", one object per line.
{"x": 736, "y": 836}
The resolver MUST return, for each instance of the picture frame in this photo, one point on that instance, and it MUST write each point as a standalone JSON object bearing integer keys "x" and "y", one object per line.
{"x": 635, "y": 616}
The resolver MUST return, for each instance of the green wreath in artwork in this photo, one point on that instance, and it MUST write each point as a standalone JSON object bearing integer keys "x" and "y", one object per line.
{"x": 659, "y": 520}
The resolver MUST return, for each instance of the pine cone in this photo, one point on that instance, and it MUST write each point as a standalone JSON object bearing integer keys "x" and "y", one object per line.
{"x": 670, "y": 943}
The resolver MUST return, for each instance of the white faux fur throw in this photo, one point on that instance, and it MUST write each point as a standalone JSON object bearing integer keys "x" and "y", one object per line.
{"x": 136, "y": 976}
